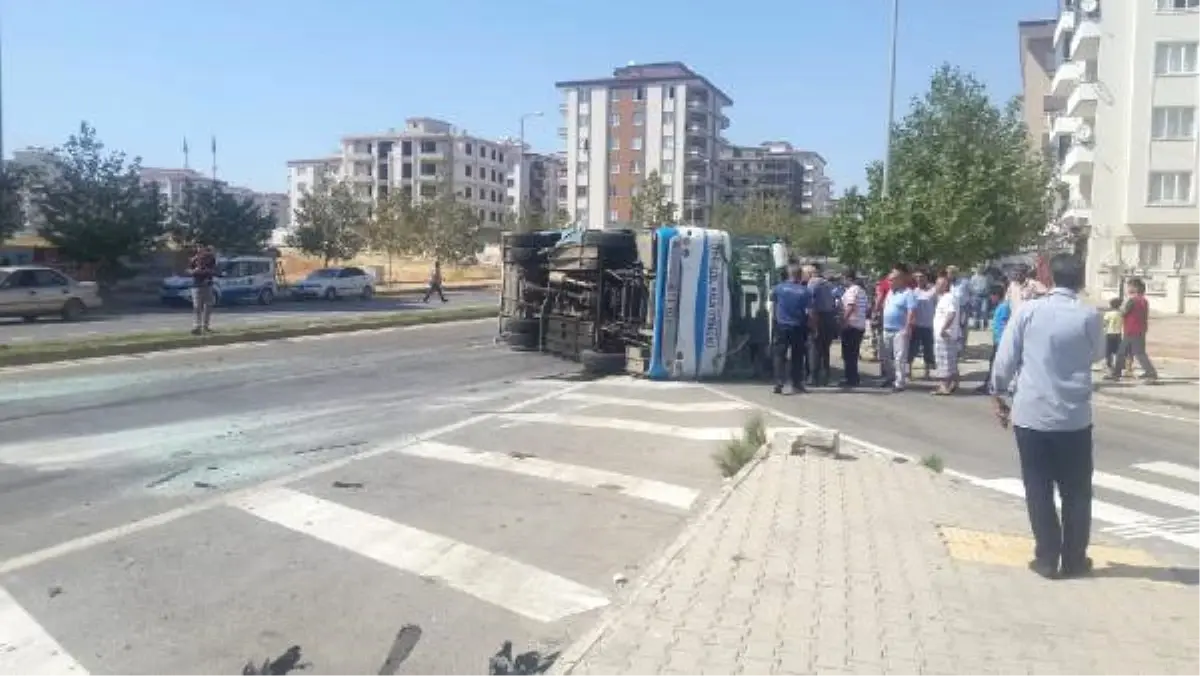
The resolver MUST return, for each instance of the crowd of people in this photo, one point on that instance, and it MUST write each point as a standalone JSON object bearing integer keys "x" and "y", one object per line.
{"x": 917, "y": 313}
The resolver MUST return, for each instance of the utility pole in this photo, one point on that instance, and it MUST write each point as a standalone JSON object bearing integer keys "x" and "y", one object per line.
{"x": 891, "y": 105}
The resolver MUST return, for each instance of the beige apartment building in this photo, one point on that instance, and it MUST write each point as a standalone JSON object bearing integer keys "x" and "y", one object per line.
{"x": 660, "y": 117}
{"x": 1121, "y": 125}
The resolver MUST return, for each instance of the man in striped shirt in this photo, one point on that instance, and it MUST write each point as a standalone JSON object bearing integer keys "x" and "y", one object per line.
{"x": 854, "y": 325}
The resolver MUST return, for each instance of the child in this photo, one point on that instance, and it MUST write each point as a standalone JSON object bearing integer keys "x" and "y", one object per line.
{"x": 1112, "y": 332}
{"x": 1000, "y": 318}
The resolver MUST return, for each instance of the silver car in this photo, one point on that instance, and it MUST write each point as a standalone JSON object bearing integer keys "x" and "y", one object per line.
{"x": 32, "y": 291}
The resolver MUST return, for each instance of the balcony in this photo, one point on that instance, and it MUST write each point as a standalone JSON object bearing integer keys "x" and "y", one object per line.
{"x": 1078, "y": 161}
{"x": 1083, "y": 101}
{"x": 1063, "y": 125}
{"x": 1066, "y": 24}
{"x": 1077, "y": 212}
{"x": 1086, "y": 43}
{"x": 1066, "y": 78}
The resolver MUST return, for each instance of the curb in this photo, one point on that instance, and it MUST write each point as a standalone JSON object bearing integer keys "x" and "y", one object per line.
{"x": 254, "y": 334}
{"x": 574, "y": 653}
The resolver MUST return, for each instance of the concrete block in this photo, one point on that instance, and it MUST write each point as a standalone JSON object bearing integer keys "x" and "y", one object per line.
{"x": 787, "y": 442}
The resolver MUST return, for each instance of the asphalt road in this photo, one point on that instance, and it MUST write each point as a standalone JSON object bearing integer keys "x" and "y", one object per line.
{"x": 156, "y": 318}
{"x": 186, "y": 512}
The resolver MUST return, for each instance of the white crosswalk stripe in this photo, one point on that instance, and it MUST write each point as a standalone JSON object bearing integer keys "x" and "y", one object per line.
{"x": 291, "y": 514}
{"x": 1167, "y": 512}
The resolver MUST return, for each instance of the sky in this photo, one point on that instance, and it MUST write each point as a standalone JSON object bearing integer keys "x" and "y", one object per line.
{"x": 274, "y": 80}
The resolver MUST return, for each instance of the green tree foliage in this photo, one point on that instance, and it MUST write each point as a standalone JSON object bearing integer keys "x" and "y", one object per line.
{"x": 95, "y": 208}
{"x": 331, "y": 222}
{"x": 208, "y": 214}
{"x": 562, "y": 220}
{"x": 13, "y": 182}
{"x": 443, "y": 229}
{"x": 652, "y": 206}
{"x": 964, "y": 185}
{"x": 773, "y": 217}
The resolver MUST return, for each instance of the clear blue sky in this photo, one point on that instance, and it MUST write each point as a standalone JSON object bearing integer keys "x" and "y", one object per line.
{"x": 282, "y": 79}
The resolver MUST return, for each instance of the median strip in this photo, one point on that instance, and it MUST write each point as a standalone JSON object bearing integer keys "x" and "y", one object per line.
{"x": 23, "y": 354}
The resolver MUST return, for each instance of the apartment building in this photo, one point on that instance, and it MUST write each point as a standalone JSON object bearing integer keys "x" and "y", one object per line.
{"x": 655, "y": 117}
{"x": 419, "y": 160}
{"x": 1038, "y": 63}
{"x": 533, "y": 184}
{"x": 776, "y": 170}
{"x": 1124, "y": 136}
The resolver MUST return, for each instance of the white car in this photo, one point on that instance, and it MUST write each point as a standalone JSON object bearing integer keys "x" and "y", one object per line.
{"x": 334, "y": 283}
{"x": 32, "y": 291}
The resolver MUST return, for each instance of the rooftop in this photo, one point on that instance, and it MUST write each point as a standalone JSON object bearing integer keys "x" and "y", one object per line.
{"x": 648, "y": 73}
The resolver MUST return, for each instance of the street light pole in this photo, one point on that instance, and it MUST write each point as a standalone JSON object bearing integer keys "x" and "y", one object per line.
{"x": 520, "y": 198}
{"x": 891, "y": 105}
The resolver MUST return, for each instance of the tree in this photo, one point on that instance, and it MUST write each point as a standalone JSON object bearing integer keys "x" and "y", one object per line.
{"x": 95, "y": 208}
{"x": 443, "y": 229}
{"x": 13, "y": 183}
{"x": 330, "y": 222}
{"x": 845, "y": 238}
{"x": 562, "y": 220}
{"x": 964, "y": 184}
{"x": 209, "y": 214}
{"x": 773, "y": 217}
{"x": 651, "y": 207}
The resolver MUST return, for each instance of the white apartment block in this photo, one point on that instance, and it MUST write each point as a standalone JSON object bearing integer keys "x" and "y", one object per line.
{"x": 659, "y": 117}
{"x": 417, "y": 160}
{"x": 533, "y": 184}
{"x": 1123, "y": 129}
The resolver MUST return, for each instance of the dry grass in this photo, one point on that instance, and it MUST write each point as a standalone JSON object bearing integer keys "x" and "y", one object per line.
{"x": 401, "y": 270}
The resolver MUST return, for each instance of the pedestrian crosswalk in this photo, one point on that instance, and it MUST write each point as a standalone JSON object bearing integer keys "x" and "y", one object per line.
{"x": 517, "y": 519}
{"x": 1154, "y": 499}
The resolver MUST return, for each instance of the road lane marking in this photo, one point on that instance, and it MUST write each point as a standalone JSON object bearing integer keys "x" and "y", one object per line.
{"x": 671, "y": 495}
{"x": 626, "y": 425}
{"x": 1148, "y": 491}
{"x": 117, "y": 532}
{"x": 1171, "y": 469}
{"x": 26, "y": 647}
{"x": 518, "y": 587}
{"x": 646, "y": 404}
{"x": 1104, "y": 403}
{"x": 642, "y": 383}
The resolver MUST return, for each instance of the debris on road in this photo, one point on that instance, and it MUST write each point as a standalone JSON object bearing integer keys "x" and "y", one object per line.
{"x": 347, "y": 484}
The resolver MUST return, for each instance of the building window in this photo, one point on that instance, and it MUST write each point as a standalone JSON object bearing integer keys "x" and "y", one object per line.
{"x": 1185, "y": 255}
{"x": 612, "y": 191}
{"x": 428, "y": 190}
{"x": 483, "y": 151}
{"x": 614, "y": 143}
{"x": 639, "y": 118}
{"x": 639, "y": 94}
{"x": 668, "y": 118}
{"x": 585, "y": 121}
{"x": 668, "y": 143}
{"x": 429, "y": 146}
{"x": 635, "y": 167}
{"x": 428, "y": 169}
{"x": 406, "y": 169}
{"x": 614, "y": 167}
{"x": 406, "y": 148}
{"x": 613, "y": 216}
{"x": 1149, "y": 254}
{"x": 637, "y": 143}
{"x": 581, "y": 168}
{"x": 1178, "y": 5}
{"x": 493, "y": 154}
{"x": 1175, "y": 58}
{"x": 1170, "y": 187}
{"x": 467, "y": 192}
{"x": 668, "y": 166}
{"x": 501, "y": 160}
{"x": 670, "y": 91}
{"x": 615, "y": 120}
{"x": 467, "y": 170}
{"x": 468, "y": 149}
{"x": 1173, "y": 123}
{"x": 493, "y": 176}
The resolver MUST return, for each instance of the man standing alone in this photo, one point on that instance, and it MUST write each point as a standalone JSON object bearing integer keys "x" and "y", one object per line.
{"x": 899, "y": 317}
{"x": 792, "y": 300}
{"x": 202, "y": 268}
{"x": 1049, "y": 347}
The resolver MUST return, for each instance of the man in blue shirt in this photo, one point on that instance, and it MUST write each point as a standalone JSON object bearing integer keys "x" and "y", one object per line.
{"x": 1048, "y": 349}
{"x": 824, "y": 310}
{"x": 899, "y": 317}
{"x": 792, "y": 300}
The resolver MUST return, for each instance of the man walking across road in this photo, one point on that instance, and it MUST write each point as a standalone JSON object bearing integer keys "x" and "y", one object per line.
{"x": 899, "y": 317}
{"x": 854, "y": 327}
{"x": 202, "y": 268}
{"x": 792, "y": 300}
{"x": 1048, "y": 348}
{"x": 435, "y": 283}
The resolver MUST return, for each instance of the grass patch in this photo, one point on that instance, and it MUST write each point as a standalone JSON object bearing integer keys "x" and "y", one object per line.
{"x": 738, "y": 451}
{"x": 133, "y": 343}
{"x": 933, "y": 463}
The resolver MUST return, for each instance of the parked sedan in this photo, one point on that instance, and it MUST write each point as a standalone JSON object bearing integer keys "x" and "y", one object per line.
{"x": 334, "y": 283}
{"x": 31, "y": 291}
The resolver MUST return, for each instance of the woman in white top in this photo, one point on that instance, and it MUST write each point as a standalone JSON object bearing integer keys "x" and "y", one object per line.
{"x": 947, "y": 333}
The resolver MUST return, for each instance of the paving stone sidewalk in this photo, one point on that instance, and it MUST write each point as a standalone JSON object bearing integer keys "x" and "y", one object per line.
{"x": 867, "y": 565}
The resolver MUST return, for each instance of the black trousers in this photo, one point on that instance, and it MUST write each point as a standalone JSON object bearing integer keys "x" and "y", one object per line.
{"x": 434, "y": 286}
{"x": 790, "y": 341}
{"x": 1062, "y": 461}
{"x": 852, "y": 339}
{"x": 921, "y": 341}
{"x": 827, "y": 327}
{"x": 1112, "y": 346}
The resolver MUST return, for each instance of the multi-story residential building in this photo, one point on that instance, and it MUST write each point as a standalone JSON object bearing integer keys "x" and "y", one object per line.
{"x": 420, "y": 159}
{"x": 533, "y": 185}
{"x": 1126, "y": 144}
{"x": 656, "y": 117}
{"x": 776, "y": 170}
